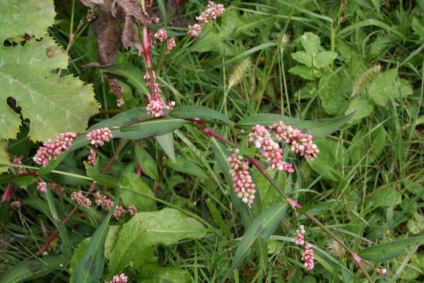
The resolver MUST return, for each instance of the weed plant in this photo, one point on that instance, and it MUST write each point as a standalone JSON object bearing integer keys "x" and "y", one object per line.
{"x": 280, "y": 142}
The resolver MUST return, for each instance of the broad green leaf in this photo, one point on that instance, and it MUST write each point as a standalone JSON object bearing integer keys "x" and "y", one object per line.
{"x": 4, "y": 157}
{"x": 367, "y": 144}
{"x": 389, "y": 250}
{"x": 185, "y": 166}
{"x": 385, "y": 197}
{"x": 192, "y": 112}
{"x": 388, "y": 85}
{"x": 311, "y": 43}
{"x": 134, "y": 191}
{"x": 317, "y": 128}
{"x": 303, "y": 57}
{"x": 145, "y": 229}
{"x": 166, "y": 142}
{"x": 324, "y": 59}
{"x": 263, "y": 227}
{"x": 149, "y": 128}
{"x": 334, "y": 92}
{"x": 91, "y": 264}
{"x": 53, "y": 103}
{"x": 154, "y": 273}
{"x": 360, "y": 107}
{"x": 331, "y": 159}
{"x": 146, "y": 162}
{"x": 102, "y": 179}
{"x": 34, "y": 268}
{"x": 303, "y": 71}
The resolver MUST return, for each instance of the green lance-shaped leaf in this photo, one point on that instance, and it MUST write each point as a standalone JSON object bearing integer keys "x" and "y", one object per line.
{"x": 317, "y": 128}
{"x": 192, "y": 112}
{"x": 149, "y": 128}
{"x": 53, "y": 103}
{"x": 388, "y": 251}
{"x": 102, "y": 179}
{"x": 33, "y": 269}
{"x": 91, "y": 264}
{"x": 145, "y": 229}
{"x": 263, "y": 227}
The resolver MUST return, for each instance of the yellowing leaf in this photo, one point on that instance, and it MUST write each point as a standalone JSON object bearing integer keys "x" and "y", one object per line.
{"x": 28, "y": 74}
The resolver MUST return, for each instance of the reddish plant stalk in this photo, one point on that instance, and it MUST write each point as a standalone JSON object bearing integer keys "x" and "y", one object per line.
{"x": 146, "y": 50}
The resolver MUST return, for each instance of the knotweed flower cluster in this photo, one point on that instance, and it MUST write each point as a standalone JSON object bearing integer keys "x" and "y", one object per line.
{"x": 211, "y": 13}
{"x": 156, "y": 106}
{"x": 170, "y": 45}
{"x": 269, "y": 149}
{"x": 122, "y": 278}
{"x": 116, "y": 89}
{"x": 132, "y": 210}
{"x": 103, "y": 201}
{"x": 42, "y": 187}
{"x": 51, "y": 149}
{"x": 242, "y": 181}
{"x": 299, "y": 143}
{"x": 92, "y": 158}
{"x": 81, "y": 199}
{"x": 98, "y": 137}
{"x": 18, "y": 161}
{"x": 161, "y": 35}
{"x": 119, "y": 212}
{"x": 308, "y": 252}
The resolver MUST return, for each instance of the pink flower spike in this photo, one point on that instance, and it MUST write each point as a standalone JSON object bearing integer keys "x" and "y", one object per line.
{"x": 98, "y": 137}
{"x": 132, "y": 210}
{"x": 170, "y": 45}
{"x": 92, "y": 158}
{"x": 161, "y": 35}
{"x": 51, "y": 149}
{"x": 242, "y": 181}
{"x": 122, "y": 278}
{"x": 382, "y": 270}
{"x": 81, "y": 199}
{"x": 42, "y": 187}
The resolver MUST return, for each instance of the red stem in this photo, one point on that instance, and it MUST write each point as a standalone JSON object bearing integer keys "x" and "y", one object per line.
{"x": 146, "y": 50}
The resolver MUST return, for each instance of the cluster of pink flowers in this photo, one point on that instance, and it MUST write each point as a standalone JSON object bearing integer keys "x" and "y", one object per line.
{"x": 242, "y": 181}
{"x": 51, "y": 149}
{"x": 299, "y": 143}
{"x": 308, "y": 252}
{"x": 42, "y": 187}
{"x": 211, "y": 13}
{"x": 98, "y": 137}
{"x": 119, "y": 212}
{"x": 81, "y": 199}
{"x": 132, "y": 210}
{"x": 117, "y": 89}
{"x": 170, "y": 45}
{"x": 156, "y": 107}
{"x": 92, "y": 158}
{"x": 103, "y": 201}
{"x": 161, "y": 35}
{"x": 121, "y": 278}
{"x": 18, "y": 161}
{"x": 269, "y": 149}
